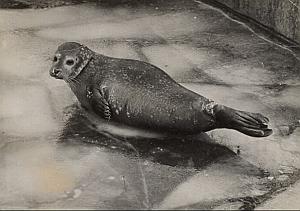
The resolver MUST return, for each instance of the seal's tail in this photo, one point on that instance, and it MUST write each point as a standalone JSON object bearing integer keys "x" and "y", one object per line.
{"x": 251, "y": 124}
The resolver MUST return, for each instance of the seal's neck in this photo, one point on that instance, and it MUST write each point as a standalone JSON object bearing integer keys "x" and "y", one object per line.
{"x": 89, "y": 72}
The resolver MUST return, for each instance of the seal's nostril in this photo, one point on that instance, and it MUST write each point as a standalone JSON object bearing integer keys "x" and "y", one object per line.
{"x": 55, "y": 71}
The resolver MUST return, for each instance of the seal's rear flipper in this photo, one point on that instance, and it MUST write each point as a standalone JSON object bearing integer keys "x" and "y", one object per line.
{"x": 251, "y": 124}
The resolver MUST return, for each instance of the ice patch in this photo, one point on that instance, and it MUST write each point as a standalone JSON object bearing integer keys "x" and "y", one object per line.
{"x": 260, "y": 152}
{"x": 288, "y": 200}
{"x": 179, "y": 61}
{"x": 31, "y": 18}
{"x": 289, "y": 96}
{"x": 26, "y": 111}
{"x": 241, "y": 74}
{"x": 22, "y": 56}
{"x": 45, "y": 171}
{"x": 144, "y": 27}
{"x": 217, "y": 182}
{"x": 119, "y": 51}
{"x": 108, "y": 30}
{"x": 175, "y": 24}
{"x": 202, "y": 58}
{"x": 168, "y": 59}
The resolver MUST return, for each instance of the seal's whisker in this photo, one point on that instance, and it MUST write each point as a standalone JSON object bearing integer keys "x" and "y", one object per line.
{"x": 74, "y": 80}
{"x": 68, "y": 81}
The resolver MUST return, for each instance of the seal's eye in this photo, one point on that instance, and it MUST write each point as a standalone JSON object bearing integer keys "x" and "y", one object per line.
{"x": 55, "y": 59}
{"x": 70, "y": 62}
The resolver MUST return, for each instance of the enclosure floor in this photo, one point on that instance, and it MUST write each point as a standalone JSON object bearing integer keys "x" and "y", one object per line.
{"x": 46, "y": 162}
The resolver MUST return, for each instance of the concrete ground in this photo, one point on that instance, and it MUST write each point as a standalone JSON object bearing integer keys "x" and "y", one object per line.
{"x": 46, "y": 156}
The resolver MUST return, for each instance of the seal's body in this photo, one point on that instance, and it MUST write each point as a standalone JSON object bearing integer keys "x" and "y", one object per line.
{"x": 138, "y": 94}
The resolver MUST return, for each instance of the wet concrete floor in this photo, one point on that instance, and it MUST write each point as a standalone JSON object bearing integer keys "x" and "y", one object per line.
{"x": 51, "y": 158}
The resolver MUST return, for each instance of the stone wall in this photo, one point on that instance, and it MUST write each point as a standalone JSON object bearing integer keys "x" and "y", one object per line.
{"x": 280, "y": 15}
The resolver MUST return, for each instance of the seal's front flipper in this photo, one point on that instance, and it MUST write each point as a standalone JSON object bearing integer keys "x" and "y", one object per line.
{"x": 251, "y": 124}
{"x": 99, "y": 102}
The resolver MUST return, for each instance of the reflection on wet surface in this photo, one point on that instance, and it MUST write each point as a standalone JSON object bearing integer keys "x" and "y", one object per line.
{"x": 52, "y": 156}
{"x": 195, "y": 152}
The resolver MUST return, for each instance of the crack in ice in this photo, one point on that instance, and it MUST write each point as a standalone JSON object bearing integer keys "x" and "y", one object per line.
{"x": 251, "y": 30}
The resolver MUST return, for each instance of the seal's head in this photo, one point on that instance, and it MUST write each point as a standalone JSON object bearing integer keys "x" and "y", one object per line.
{"x": 69, "y": 60}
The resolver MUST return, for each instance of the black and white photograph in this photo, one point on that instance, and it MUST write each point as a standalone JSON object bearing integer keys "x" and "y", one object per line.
{"x": 149, "y": 104}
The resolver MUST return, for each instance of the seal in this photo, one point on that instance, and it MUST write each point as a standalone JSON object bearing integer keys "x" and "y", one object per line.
{"x": 141, "y": 95}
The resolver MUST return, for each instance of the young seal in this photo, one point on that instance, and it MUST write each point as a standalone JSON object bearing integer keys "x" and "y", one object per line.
{"x": 138, "y": 94}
